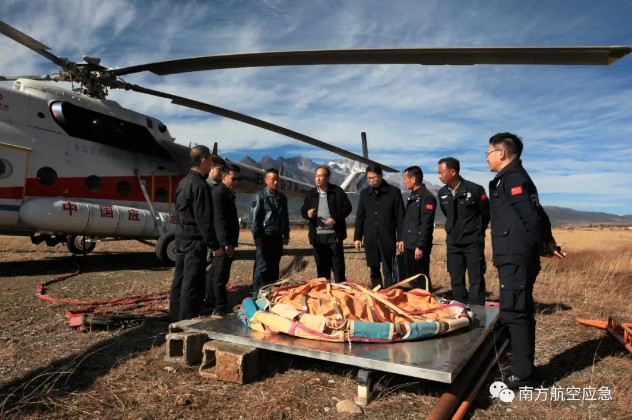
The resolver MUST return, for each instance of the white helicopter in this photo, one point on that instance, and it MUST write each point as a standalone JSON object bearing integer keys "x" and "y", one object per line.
{"x": 76, "y": 167}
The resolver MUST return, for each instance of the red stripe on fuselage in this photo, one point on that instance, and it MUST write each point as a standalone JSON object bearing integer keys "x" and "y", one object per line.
{"x": 76, "y": 188}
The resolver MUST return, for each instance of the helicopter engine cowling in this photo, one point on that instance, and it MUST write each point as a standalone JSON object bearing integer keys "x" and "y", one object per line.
{"x": 80, "y": 217}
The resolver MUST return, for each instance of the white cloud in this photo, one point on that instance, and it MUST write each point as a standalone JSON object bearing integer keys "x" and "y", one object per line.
{"x": 575, "y": 121}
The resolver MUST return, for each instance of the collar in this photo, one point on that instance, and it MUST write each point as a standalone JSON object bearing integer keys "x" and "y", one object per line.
{"x": 516, "y": 163}
{"x": 418, "y": 191}
{"x": 328, "y": 189}
{"x": 197, "y": 173}
{"x": 459, "y": 187}
{"x": 383, "y": 188}
{"x": 266, "y": 192}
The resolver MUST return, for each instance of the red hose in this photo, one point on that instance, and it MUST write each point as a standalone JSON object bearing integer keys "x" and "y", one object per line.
{"x": 133, "y": 301}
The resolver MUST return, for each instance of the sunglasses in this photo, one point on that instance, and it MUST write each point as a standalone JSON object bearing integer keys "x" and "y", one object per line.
{"x": 232, "y": 178}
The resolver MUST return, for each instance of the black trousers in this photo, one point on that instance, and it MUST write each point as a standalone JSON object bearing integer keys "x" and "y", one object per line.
{"x": 517, "y": 313}
{"x": 187, "y": 289}
{"x": 267, "y": 260}
{"x": 329, "y": 254}
{"x": 216, "y": 294}
{"x": 387, "y": 268}
{"x": 471, "y": 257}
{"x": 414, "y": 267}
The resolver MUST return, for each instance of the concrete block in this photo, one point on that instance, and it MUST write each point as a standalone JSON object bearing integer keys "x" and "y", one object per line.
{"x": 229, "y": 362}
{"x": 185, "y": 347}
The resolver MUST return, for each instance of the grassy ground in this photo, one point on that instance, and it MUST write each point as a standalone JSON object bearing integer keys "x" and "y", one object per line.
{"x": 48, "y": 370}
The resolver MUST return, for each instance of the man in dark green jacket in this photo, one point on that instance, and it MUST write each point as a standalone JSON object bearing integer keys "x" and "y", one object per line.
{"x": 270, "y": 226}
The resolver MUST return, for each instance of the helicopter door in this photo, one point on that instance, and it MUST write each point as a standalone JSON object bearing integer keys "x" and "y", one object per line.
{"x": 14, "y": 162}
{"x": 161, "y": 190}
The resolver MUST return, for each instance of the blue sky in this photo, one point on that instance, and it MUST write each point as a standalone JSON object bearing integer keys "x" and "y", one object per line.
{"x": 576, "y": 121}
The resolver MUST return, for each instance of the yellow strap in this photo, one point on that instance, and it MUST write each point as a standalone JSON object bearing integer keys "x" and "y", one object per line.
{"x": 408, "y": 280}
{"x": 385, "y": 302}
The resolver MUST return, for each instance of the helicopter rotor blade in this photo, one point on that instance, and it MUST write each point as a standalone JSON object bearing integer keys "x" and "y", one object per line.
{"x": 178, "y": 100}
{"x": 30, "y": 43}
{"x": 14, "y": 78}
{"x": 594, "y": 55}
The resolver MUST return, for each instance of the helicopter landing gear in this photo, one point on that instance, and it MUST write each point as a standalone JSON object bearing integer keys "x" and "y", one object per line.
{"x": 79, "y": 245}
{"x": 166, "y": 248}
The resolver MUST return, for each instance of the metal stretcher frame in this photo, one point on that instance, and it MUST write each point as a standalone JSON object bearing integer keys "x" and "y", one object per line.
{"x": 439, "y": 358}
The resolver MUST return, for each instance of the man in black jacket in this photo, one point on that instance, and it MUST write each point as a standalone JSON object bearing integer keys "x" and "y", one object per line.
{"x": 380, "y": 222}
{"x": 227, "y": 228}
{"x": 466, "y": 208}
{"x": 213, "y": 180}
{"x": 326, "y": 207}
{"x": 194, "y": 233}
{"x": 418, "y": 227}
{"x": 521, "y": 233}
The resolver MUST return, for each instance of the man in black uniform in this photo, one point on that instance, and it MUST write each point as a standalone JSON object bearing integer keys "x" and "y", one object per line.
{"x": 380, "y": 221}
{"x": 418, "y": 227}
{"x": 227, "y": 228}
{"x": 521, "y": 233}
{"x": 466, "y": 208}
{"x": 270, "y": 227}
{"x": 194, "y": 233}
{"x": 326, "y": 208}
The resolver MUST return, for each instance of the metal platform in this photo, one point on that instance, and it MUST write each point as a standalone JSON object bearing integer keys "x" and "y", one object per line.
{"x": 439, "y": 358}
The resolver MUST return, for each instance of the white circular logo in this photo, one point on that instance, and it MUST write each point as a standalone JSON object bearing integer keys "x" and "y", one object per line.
{"x": 506, "y": 395}
{"x": 496, "y": 387}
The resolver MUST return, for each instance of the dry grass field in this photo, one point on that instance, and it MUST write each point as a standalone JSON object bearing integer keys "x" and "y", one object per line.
{"x": 48, "y": 370}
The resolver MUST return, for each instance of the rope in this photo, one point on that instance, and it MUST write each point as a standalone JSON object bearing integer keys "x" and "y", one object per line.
{"x": 132, "y": 301}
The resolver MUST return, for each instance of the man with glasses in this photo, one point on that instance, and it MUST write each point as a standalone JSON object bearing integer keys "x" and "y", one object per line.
{"x": 521, "y": 233}
{"x": 466, "y": 208}
{"x": 227, "y": 228}
{"x": 380, "y": 222}
{"x": 326, "y": 207}
{"x": 213, "y": 180}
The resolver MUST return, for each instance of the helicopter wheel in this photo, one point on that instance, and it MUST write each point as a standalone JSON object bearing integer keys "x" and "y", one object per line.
{"x": 77, "y": 245}
{"x": 166, "y": 248}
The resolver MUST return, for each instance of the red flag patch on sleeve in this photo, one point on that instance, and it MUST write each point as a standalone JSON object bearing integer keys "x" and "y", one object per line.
{"x": 484, "y": 197}
{"x": 516, "y": 191}
{"x": 429, "y": 206}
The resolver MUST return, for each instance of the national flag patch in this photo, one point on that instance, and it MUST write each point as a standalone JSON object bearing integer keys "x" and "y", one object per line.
{"x": 484, "y": 197}
{"x": 516, "y": 191}
{"x": 429, "y": 206}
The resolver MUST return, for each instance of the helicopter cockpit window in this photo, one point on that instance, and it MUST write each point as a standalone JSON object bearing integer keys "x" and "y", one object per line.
{"x": 93, "y": 183}
{"x": 124, "y": 188}
{"x": 105, "y": 129}
{"x": 161, "y": 195}
{"x": 47, "y": 176}
{"x": 6, "y": 169}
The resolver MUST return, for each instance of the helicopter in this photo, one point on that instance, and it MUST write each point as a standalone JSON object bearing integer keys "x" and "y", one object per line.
{"x": 76, "y": 168}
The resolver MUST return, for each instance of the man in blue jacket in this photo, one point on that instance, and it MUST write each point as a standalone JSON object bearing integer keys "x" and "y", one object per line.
{"x": 270, "y": 226}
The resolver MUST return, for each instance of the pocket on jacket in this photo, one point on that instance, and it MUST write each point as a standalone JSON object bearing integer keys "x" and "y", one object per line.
{"x": 500, "y": 241}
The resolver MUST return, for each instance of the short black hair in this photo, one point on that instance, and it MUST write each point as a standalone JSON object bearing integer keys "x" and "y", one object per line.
{"x": 229, "y": 167}
{"x": 218, "y": 160}
{"x": 271, "y": 171}
{"x": 376, "y": 169}
{"x": 510, "y": 142}
{"x": 324, "y": 167}
{"x": 197, "y": 154}
{"x": 451, "y": 163}
{"x": 415, "y": 172}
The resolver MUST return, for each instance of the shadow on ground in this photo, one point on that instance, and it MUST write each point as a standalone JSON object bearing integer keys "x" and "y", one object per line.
{"x": 79, "y": 371}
